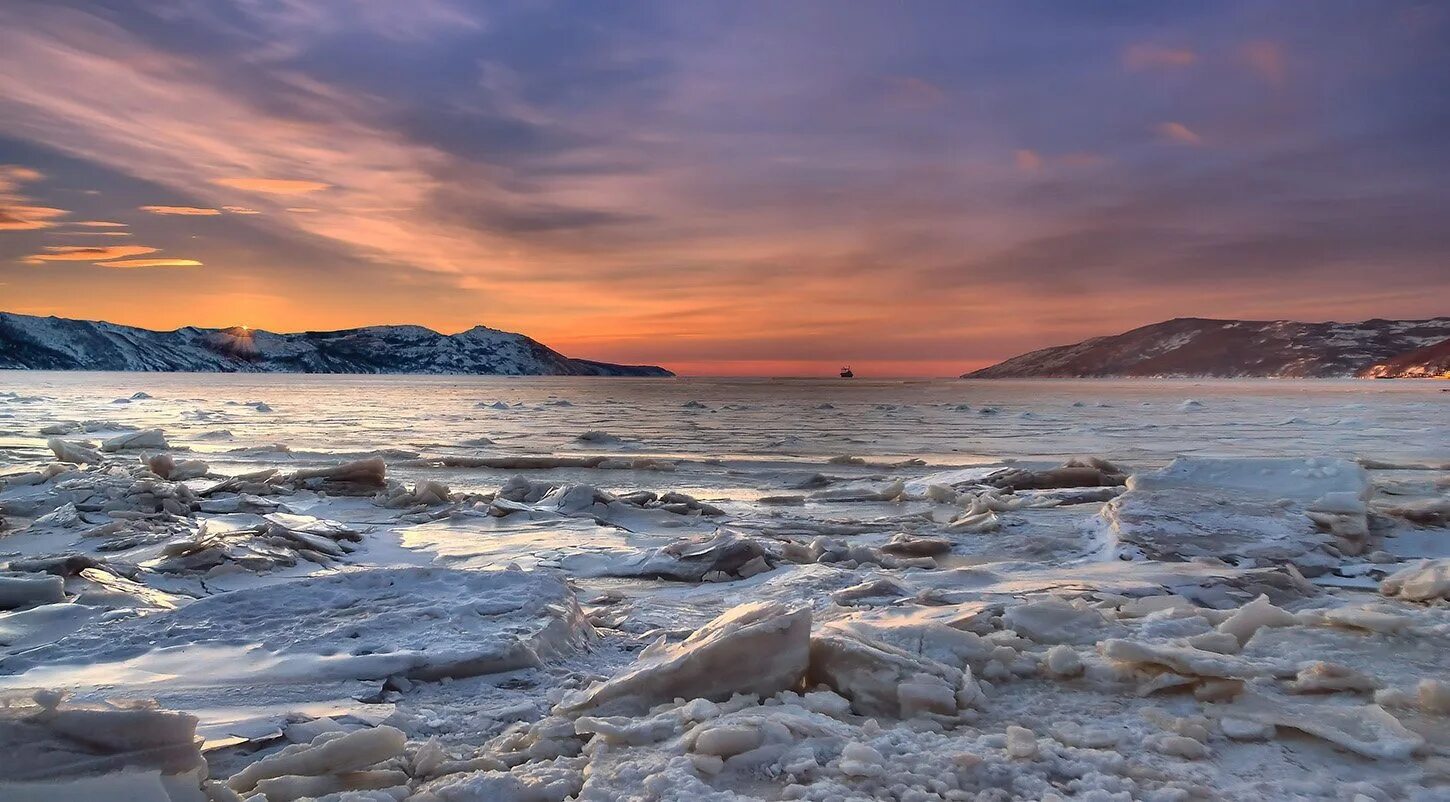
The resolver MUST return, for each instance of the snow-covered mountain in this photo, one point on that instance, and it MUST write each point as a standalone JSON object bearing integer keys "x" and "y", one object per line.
{"x": 52, "y": 343}
{"x": 1430, "y": 362}
{"x": 1230, "y": 348}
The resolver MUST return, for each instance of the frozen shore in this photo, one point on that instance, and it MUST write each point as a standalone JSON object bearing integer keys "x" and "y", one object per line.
{"x": 571, "y": 596}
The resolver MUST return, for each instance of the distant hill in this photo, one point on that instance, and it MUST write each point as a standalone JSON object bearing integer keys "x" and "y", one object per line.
{"x": 1231, "y": 348}
{"x": 52, "y": 343}
{"x": 1430, "y": 362}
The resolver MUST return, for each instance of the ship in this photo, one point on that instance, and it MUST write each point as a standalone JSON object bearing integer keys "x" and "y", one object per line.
{"x": 846, "y": 373}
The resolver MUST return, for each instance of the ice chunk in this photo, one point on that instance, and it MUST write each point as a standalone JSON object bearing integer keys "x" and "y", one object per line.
{"x": 1184, "y": 660}
{"x": 758, "y": 648}
{"x": 71, "y": 451}
{"x": 1056, "y": 621}
{"x": 1299, "y": 479}
{"x": 1237, "y": 509}
{"x": 1062, "y": 661}
{"x": 1367, "y": 730}
{"x": 359, "y": 478}
{"x": 28, "y": 591}
{"x": 50, "y": 751}
{"x": 883, "y": 680}
{"x": 1426, "y": 580}
{"x": 329, "y": 753}
{"x": 144, "y": 438}
{"x": 1252, "y": 616}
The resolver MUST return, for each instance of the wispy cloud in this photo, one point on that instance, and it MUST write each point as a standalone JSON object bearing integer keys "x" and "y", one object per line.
{"x": 181, "y": 211}
{"x": 97, "y": 224}
{"x": 1149, "y": 56}
{"x": 88, "y": 253}
{"x": 1180, "y": 133}
{"x": 1267, "y": 59}
{"x": 130, "y": 264}
{"x": 1028, "y": 161}
{"x": 273, "y": 186}
{"x": 17, "y": 212}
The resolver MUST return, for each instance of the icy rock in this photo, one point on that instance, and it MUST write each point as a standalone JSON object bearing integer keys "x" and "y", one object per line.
{"x": 169, "y": 468}
{"x": 29, "y": 591}
{"x": 70, "y": 451}
{"x": 1426, "y": 580}
{"x": 1055, "y": 621}
{"x": 690, "y": 559}
{"x": 883, "y": 680}
{"x": 145, "y": 438}
{"x": 758, "y": 648}
{"x": 1253, "y": 616}
{"x": 1367, "y": 730}
{"x": 329, "y": 753}
{"x": 904, "y": 545}
{"x": 1084, "y": 472}
{"x": 359, "y": 478}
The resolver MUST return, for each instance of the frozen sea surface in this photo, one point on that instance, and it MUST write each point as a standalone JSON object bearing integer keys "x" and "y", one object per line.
{"x": 548, "y": 589}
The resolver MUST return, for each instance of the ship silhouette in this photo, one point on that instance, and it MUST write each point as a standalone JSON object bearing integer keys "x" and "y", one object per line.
{"x": 846, "y": 373}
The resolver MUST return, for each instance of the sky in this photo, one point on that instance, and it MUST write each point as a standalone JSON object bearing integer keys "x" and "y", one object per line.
{"x": 914, "y": 188}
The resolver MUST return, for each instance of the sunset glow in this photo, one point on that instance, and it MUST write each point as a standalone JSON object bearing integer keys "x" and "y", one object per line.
{"x": 726, "y": 188}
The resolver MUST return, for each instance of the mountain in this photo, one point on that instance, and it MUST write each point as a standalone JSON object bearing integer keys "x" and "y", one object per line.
{"x": 1430, "y": 362}
{"x": 1230, "y": 348}
{"x": 52, "y": 343}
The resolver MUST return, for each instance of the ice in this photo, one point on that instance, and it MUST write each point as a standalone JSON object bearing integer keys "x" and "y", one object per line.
{"x": 145, "y": 438}
{"x": 883, "y": 680}
{"x": 1425, "y": 580}
{"x": 1054, "y": 621}
{"x": 57, "y": 752}
{"x": 976, "y": 633}
{"x": 413, "y": 622}
{"x": 1253, "y": 616}
{"x": 28, "y": 591}
{"x": 1240, "y": 510}
{"x": 331, "y": 753}
{"x": 754, "y": 648}
{"x": 362, "y": 477}
{"x": 1367, "y": 730}
{"x": 72, "y": 451}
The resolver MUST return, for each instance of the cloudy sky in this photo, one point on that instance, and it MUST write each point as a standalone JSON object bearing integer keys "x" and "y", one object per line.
{"x": 913, "y": 187}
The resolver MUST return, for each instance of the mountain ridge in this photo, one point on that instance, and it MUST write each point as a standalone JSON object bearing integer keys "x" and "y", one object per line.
{"x": 29, "y": 342}
{"x": 1194, "y": 347}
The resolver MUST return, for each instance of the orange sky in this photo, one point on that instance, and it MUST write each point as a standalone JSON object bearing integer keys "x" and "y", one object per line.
{"x": 720, "y": 188}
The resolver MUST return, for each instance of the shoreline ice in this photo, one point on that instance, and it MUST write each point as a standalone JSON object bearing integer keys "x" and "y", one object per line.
{"x": 439, "y": 602}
